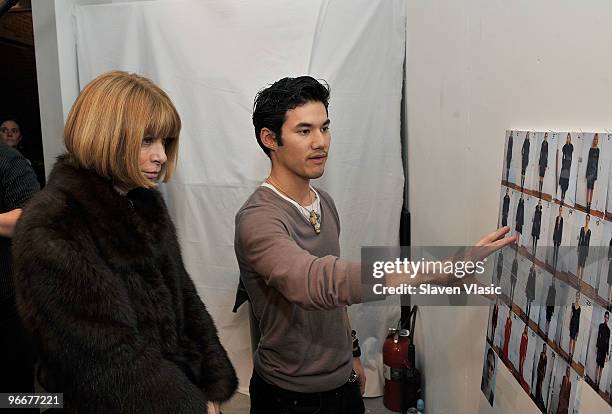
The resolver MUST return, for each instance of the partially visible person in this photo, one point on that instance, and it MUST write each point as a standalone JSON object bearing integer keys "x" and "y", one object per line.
{"x": 591, "y": 171}
{"x": 10, "y": 133}
{"x": 100, "y": 280}
{"x": 602, "y": 346}
{"x": 564, "y": 393}
{"x": 574, "y": 325}
{"x": 566, "y": 165}
{"x": 541, "y": 373}
{"x": 17, "y": 185}
{"x": 488, "y": 375}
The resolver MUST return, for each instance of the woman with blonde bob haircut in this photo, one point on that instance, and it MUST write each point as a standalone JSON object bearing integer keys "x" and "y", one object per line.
{"x": 101, "y": 285}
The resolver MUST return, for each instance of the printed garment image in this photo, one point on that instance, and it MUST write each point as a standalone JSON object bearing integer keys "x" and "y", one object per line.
{"x": 605, "y": 268}
{"x": 506, "y": 333}
{"x": 493, "y": 320}
{"x": 545, "y": 240}
{"x": 544, "y": 185}
{"x": 529, "y": 153}
{"x": 565, "y": 389}
{"x": 609, "y": 197}
{"x": 526, "y": 240}
{"x": 598, "y": 373}
{"x": 587, "y": 233}
{"x": 543, "y": 362}
{"x": 560, "y": 235}
{"x": 593, "y": 173}
{"x": 527, "y": 351}
{"x": 498, "y": 270}
{"x": 489, "y": 372}
{"x": 568, "y": 150}
{"x": 510, "y": 287}
{"x": 526, "y": 290}
{"x": 508, "y": 171}
{"x": 507, "y": 210}
{"x": 549, "y": 312}
{"x": 575, "y": 327}
{"x": 516, "y": 339}
{"x": 520, "y": 227}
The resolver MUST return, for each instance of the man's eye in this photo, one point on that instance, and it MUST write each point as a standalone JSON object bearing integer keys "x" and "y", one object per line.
{"x": 325, "y": 129}
{"x": 304, "y": 131}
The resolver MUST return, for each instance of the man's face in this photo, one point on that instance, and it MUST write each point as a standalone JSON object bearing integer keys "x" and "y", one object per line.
{"x": 10, "y": 134}
{"x": 306, "y": 138}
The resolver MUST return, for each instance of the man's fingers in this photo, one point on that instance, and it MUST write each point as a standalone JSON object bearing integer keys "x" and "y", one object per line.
{"x": 493, "y": 236}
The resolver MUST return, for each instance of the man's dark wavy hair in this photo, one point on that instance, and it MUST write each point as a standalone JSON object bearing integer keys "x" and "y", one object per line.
{"x": 272, "y": 103}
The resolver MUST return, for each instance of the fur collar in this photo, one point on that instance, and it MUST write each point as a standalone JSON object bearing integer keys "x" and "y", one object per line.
{"x": 129, "y": 230}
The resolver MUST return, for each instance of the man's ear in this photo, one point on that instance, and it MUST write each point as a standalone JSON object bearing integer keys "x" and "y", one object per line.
{"x": 268, "y": 139}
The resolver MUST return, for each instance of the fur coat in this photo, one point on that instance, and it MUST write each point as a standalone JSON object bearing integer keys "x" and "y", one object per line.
{"x": 116, "y": 319}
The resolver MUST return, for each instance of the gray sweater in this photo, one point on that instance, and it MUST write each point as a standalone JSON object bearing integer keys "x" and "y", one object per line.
{"x": 298, "y": 288}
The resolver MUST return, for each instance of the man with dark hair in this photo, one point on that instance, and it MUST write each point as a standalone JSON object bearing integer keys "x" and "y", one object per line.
{"x": 603, "y": 347}
{"x": 287, "y": 246}
{"x": 288, "y": 258}
{"x": 17, "y": 184}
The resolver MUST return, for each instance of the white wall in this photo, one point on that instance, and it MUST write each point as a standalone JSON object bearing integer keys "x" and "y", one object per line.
{"x": 475, "y": 69}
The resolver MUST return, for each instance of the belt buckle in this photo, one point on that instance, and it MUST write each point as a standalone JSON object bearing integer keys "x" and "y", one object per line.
{"x": 353, "y": 377}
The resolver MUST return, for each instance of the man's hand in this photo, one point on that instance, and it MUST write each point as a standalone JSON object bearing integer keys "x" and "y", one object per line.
{"x": 213, "y": 408}
{"x": 493, "y": 241}
{"x": 358, "y": 368}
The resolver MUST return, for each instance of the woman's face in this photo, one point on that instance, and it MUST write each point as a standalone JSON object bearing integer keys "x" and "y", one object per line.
{"x": 152, "y": 157}
{"x": 10, "y": 134}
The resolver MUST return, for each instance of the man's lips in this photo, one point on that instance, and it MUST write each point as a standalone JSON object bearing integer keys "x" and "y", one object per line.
{"x": 318, "y": 159}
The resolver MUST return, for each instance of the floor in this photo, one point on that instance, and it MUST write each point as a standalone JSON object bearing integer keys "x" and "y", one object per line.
{"x": 240, "y": 405}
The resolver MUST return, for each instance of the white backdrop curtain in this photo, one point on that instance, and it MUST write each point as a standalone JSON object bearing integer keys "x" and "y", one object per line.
{"x": 212, "y": 57}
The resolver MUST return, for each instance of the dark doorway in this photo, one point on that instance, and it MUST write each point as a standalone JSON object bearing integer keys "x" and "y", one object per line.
{"x": 19, "y": 97}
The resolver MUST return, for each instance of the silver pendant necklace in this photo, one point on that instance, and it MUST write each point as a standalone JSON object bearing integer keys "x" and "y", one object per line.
{"x": 314, "y": 218}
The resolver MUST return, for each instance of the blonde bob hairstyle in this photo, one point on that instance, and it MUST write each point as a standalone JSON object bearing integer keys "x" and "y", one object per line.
{"x": 109, "y": 120}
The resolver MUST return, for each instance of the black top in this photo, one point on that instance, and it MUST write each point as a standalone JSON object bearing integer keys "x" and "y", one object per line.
{"x": 575, "y": 319}
{"x": 544, "y": 154}
{"x": 558, "y": 232}
{"x": 566, "y": 160}
{"x": 583, "y": 243}
{"x": 525, "y": 153}
{"x": 520, "y": 213}
{"x": 592, "y": 163}
{"x": 17, "y": 184}
{"x": 603, "y": 338}
{"x": 530, "y": 291}
{"x": 509, "y": 151}
{"x": 506, "y": 206}
{"x": 537, "y": 221}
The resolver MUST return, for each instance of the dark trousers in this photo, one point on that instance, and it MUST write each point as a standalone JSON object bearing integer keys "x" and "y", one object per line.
{"x": 270, "y": 399}
{"x": 16, "y": 362}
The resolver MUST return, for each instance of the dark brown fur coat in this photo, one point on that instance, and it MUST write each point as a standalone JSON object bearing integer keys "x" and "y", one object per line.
{"x": 116, "y": 319}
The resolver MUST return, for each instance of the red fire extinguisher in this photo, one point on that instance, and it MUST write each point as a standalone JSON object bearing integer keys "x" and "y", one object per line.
{"x": 402, "y": 378}
{"x": 395, "y": 362}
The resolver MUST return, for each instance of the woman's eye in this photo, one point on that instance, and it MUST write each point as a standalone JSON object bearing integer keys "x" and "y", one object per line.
{"x": 147, "y": 141}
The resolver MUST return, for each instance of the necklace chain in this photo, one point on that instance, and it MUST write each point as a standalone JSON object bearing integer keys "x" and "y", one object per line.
{"x": 313, "y": 216}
